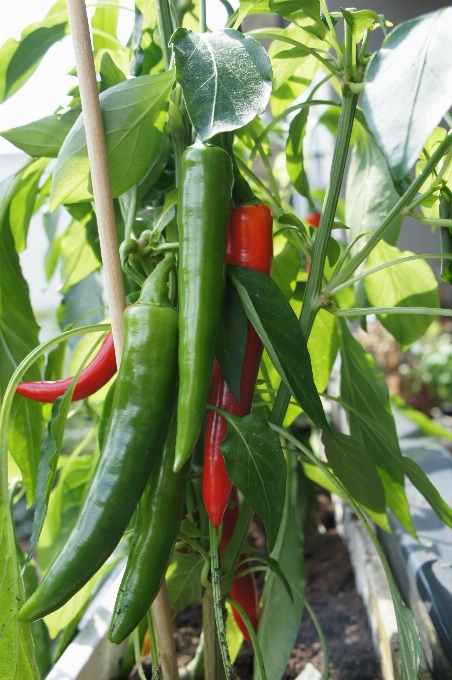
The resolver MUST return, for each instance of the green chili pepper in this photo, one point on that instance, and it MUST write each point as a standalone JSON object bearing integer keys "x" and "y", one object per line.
{"x": 158, "y": 519}
{"x": 203, "y": 211}
{"x": 141, "y": 406}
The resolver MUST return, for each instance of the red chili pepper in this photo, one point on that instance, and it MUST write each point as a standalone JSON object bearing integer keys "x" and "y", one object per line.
{"x": 92, "y": 378}
{"x": 313, "y": 219}
{"x": 244, "y": 589}
{"x": 250, "y": 244}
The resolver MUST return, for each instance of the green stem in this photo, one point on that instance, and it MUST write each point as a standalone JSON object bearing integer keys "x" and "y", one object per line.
{"x": 312, "y": 303}
{"x": 130, "y": 218}
{"x": 268, "y": 195}
{"x": 202, "y": 16}
{"x": 332, "y": 29}
{"x": 394, "y": 214}
{"x": 153, "y": 642}
{"x": 217, "y": 604}
{"x": 431, "y": 222}
{"x": 253, "y": 636}
{"x": 165, "y": 29}
{"x": 137, "y": 652}
{"x": 323, "y": 642}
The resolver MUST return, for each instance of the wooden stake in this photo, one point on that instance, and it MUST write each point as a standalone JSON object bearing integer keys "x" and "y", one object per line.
{"x": 103, "y": 202}
{"x": 165, "y": 636}
{"x": 97, "y": 155}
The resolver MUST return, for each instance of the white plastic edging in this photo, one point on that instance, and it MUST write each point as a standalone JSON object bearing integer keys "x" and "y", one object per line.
{"x": 90, "y": 656}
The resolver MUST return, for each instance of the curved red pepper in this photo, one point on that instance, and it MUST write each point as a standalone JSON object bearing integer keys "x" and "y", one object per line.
{"x": 244, "y": 589}
{"x": 92, "y": 378}
{"x": 250, "y": 244}
{"x": 313, "y": 219}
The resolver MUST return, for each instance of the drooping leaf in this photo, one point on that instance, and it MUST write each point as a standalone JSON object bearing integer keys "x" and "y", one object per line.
{"x": 422, "y": 483}
{"x": 255, "y": 464}
{"x": 133, "y": 114}
{"x": 23, "y": 202}
{"x": 43, "y": 137}
{"x": 323, "y": 345}
{"x": 353, "y": 464}
{"x": 279, "y": 620}
{"x": 294, "y": 153}
{"x": 105, "y": 20}
{"x": 360, "y": 21}
{"x": 20, "y": 59}
{"x": 78, "y": 257}
{"x": 209, "y": 66}
{"x": 305, "y": 14}
{"x": 231, "y": 339}
{"x": 281, "y": 334}
{"x": 410, "y": 284}
{"x": 363, "y": 386}
{"x": 411, "y": 71}
{"x": 370, "y": 193}
{"x": 183, "y": 579}
{"x": 110, "y": 74}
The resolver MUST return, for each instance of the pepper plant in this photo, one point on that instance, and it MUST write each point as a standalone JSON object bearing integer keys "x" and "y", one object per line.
{"x": 204, "y": 127}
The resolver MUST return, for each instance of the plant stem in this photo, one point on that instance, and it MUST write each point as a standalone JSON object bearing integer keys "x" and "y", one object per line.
{"x": 218, "y": 604}
{"x": 323, "y": 642}
{"x": 153, "y": 642}
{"x": 202, "y": 16}
{"x": 311, "y": 303}
{"x": 213, "y": 664}
{"x": 166, "y": 30}
{"x": 253, "y": 636}
{"x": 166, "y": 647}
{"x": 394, "y": 214}
{"x": 365, "y": 311}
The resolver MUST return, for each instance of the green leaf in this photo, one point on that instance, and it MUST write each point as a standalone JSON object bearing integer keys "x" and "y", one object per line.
{"x": 105, "y": 19}
{"x": 360, "y": 21}
{"x": 370, "y": 193}
{"x": 255, "y": 464}
{"x": 286, "y": 265}
{"x": 279, "y": 620}
{"x": 110, "y": 74}
{"x": 20, "y": 59}
{"x": 18, "y": 336}
{"x": 323, "y": 345}
{"x": 183, "y": 579}
{"x": 422, "y": 483}
{"x": 353, "y": 464}
{"x": 274, "y": 567}
{"x": 78, "y": 257}
{"x": 50, "y": 454}
{"x": 409, "y": 284}
{"x": 231, "y": 339}
{"x": 209, "y": 66}
{"x": 16, "y": 644}
{"x": 304, "y": 13}
{"x": 425, "y": 424}
{"x": 43, "y": 137}
{"x": 411, "y": 71}
{"x": 23, "y": 203}
{"x": 363, "y": 386}
{"x": 133, "y": 114}
{"x": 281, "y": 334}
{"x": 294, "y": 153}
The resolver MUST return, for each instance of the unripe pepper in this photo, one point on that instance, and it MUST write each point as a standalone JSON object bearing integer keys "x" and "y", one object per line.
{"x": 158, "y": 520}
{"x": 203, "y": 211}
{"x": 141, "y": 405}
{"x": 243, "y": 589}
{"x": 250, "y": 244}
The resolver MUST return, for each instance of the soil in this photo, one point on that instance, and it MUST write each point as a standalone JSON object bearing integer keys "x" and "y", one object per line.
{"x": 332, "y": 593}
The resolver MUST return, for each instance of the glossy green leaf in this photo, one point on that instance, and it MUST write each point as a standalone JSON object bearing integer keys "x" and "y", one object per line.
{"x": 410, "y": 284}
{"x": 133, "y": 114}
{"x": 295, "y": 155}
{"x": 43, "y": 137}
{"x": 370, "y": 193}
{"x": 363, "y": 386}
{"x": 411, "y": 71}
{"x": 20, "y": 59}
{"x": 255, "y": 464}
{"x": 281, "y": 334}
{"x": 231, "y": 339}
{"x": 279, "y": 620}
{"x": 183, "y": 579}
{"x": 353, "y": 464}
{"x": 304, "y": 13}
{"x": 110, "y": 74}
{"x": 209, "y": 67}
{"x": 23, "y": 203}
{"x": 18, "y": 336}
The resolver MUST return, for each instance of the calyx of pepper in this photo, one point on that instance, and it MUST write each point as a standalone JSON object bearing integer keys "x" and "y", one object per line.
{"x": 155, "y": 288}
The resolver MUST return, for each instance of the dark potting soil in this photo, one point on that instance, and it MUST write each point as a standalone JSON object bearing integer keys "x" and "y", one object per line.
{"x": 332, "y": 594}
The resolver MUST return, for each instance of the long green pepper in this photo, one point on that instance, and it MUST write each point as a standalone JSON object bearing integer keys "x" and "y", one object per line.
{"x": 158, "y": 520}
{"x": 140, "y": 411}
{"x": 203, "y": 212}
